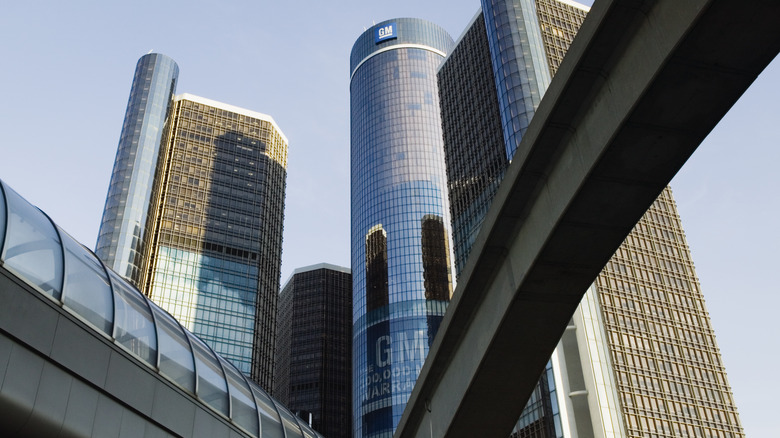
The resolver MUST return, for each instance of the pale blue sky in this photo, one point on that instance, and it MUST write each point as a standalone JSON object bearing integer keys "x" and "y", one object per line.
{"x": 65, "y": 80}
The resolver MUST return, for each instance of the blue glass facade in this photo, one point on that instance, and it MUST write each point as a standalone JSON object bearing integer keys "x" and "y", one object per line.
{"x": 211, "y": 296}
{"x": 519, "y": 64}
{"x": 121, "y": 236}
{"x": 401, "y": 250}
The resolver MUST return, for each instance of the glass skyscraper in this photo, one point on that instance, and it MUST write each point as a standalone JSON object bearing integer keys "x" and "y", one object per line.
{"x": 519, "y": 66}
{"x": 122, "y": 229}
{"x": 401, "y": 251}
{"x": 313, "y": 375}
{"x": 194, "y": 214}
{"x": 213, "y": 257}
{"x": 639, "y": 356}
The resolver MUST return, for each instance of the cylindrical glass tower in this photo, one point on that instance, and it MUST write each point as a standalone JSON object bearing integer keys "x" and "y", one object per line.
{"x": 127, "y": 203}
{"x": 519, "y": 64}
{"x": 401, "y": 250}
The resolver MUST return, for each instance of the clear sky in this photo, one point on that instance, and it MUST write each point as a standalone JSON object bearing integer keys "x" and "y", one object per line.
{"x": 65, "y": 78}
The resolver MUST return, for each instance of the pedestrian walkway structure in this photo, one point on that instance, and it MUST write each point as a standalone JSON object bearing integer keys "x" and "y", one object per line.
{"x": 85, "y": 354}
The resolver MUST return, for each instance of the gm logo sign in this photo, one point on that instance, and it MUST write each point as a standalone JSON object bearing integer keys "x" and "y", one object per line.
{"x": 385, "y": 32}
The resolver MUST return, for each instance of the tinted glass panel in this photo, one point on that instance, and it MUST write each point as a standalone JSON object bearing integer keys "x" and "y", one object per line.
{"x": 87, "y": 289}
{"x": 242, "y": 408}
{"x": 211, "y": 380}
{"x": 435, "y": 258}
{"x": 307, "y": 431}
{"x": 133, "y": 325}
{"x": 32, "y": 248}
{"x": 176, "y": 361}
{"x": 270, "y": 425}
{"x": 290, "y": 425}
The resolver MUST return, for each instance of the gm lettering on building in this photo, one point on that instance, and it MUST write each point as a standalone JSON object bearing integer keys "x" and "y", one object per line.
{"x": 387, "y": 32}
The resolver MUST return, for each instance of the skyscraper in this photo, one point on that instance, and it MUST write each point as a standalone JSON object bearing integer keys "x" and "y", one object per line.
{"x": 639, "y": 357}
{"x": 213, "y": 257}
{"x": 208, "y": 246}
{"x": 313, "y": 374}
{"x": 401, "y": 251}
{"x": 122, "y": 229}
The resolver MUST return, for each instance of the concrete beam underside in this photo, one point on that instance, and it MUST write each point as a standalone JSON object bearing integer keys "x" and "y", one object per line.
{"x": 642, "y": 85}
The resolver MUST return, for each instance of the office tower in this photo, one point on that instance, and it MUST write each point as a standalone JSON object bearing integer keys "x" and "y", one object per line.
{"x": 401, "y": 251}
{"x": 194, "y": 214}
{"x": 313, "y": 371}
{"x": 122, "y": 229}
{"x": 213, "y": 254}
{"x": 639, "y": 356}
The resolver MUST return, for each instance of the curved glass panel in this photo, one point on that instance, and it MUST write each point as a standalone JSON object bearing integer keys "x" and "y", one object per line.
{"x": 242, "y": 404}
{"x": 307, "y": 431}
{"x": 270, "y": 424}
{"x": 32, "y": 247}
{"x": 290, "y": 425}
{"x": 2, "y": 217}
{"x": 212, "y": 388}
{"x": 176, "y": 360}
{"x": 133, "y": 324}
{"x": 120, "y": 239}
{"x": 87, "y": 290}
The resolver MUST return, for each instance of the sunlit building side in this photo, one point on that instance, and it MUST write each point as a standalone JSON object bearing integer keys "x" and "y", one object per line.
{"x": 639, "y": 356}
{"x": 215, "y": 233}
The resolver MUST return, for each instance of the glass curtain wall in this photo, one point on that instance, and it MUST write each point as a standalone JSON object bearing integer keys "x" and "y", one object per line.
{"x": 121, "y": 236}
{"x": 401, "y": 252}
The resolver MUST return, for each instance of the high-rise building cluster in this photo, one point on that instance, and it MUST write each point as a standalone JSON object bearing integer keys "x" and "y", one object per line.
{"x": 194, "y": 215}
{"x": 194, "y": 212}
{"x": 639, "y": 357}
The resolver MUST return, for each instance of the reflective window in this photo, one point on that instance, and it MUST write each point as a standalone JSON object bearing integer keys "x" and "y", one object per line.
{"x": 32, "y": 247}
{"x": 176, "y": 360}
{"x": 242, "y": 404}
{"x": 212, "y": 389}
{"x": 436, "y": 258}
{"x": 270, "y": 425}
{"x": 87, "y": 289}
{"x": 376, "y": 268}
{"x": 290, "y": 425}
{"x": 307, "y": 431}
{"x": 133, "y": 325}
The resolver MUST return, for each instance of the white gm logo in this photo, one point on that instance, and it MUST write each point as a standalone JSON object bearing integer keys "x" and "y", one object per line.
{"x": 386, "y": 32}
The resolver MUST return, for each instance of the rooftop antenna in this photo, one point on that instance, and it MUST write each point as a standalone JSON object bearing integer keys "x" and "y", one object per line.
{"x": 150, "y": 51}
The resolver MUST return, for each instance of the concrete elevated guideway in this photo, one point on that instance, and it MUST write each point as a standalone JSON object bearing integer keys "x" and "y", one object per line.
{"x": 642, "y": 85}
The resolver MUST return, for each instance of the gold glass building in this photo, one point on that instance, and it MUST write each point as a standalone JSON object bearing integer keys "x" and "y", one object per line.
{"x": 639, "y": 357}
{"x": 207, "y": 243}
{"x": 667, "y": 365}
{"x": 213, "y": 253}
